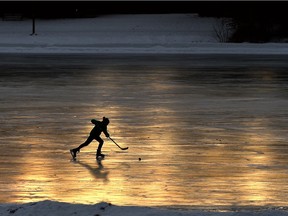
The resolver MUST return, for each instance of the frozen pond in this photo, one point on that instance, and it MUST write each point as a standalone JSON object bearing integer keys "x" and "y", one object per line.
{"x": 211, "y": 130}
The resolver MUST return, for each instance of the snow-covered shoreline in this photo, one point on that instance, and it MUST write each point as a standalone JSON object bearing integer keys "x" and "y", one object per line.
{"x": 154, "y": 33}
{"x": 52, "y": 208}
{"x": 205, "y": 48}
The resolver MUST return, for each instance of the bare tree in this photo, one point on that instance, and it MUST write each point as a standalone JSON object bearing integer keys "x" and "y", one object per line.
{"x": 223, "y": 29}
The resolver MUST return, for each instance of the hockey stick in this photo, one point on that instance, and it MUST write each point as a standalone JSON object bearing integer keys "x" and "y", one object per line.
{"x": 118, "y": 145}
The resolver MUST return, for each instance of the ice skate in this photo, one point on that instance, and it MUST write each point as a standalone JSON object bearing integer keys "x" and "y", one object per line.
{"x": 100, "y": 156}
{"x": 73, "y": 153}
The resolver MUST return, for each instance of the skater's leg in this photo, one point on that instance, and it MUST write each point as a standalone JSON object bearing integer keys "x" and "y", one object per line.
{"x": 76, "y": 150}
{"x": 99, "y": 146}
{"x": 86, "y": 143}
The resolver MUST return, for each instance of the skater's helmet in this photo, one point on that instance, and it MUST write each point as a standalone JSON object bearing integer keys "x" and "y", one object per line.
{"x": 106, "y": 120}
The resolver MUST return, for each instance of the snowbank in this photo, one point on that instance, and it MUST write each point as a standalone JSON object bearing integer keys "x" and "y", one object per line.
{"x": 51, "y": 208}
{"x": 156, "y": 33}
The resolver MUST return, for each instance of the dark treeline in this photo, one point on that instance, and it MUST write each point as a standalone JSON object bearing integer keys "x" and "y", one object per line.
{"x": 58, "y": 9}
{"x": 256, "y": 21}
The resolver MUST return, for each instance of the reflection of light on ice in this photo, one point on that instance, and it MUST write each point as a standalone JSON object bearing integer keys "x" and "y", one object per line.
{"x": 202, "y": 141}
{"x": 255, "y": 187}
{"x": 257, "y": 156}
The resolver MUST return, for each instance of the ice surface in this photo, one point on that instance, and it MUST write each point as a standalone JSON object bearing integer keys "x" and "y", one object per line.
{"x": 211, "y": 130}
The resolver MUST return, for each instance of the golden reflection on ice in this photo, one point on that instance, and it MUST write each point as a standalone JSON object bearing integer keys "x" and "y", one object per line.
{"x": 174, "y": 166}
{"x": 199, "y": 146}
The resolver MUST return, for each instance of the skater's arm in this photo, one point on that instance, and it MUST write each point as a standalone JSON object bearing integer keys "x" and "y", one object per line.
{"x": 106, "y": 132}
{"x": 93, "y": 121}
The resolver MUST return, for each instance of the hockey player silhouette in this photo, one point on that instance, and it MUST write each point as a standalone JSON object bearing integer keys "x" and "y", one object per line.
{"x": 100, "y": 126}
